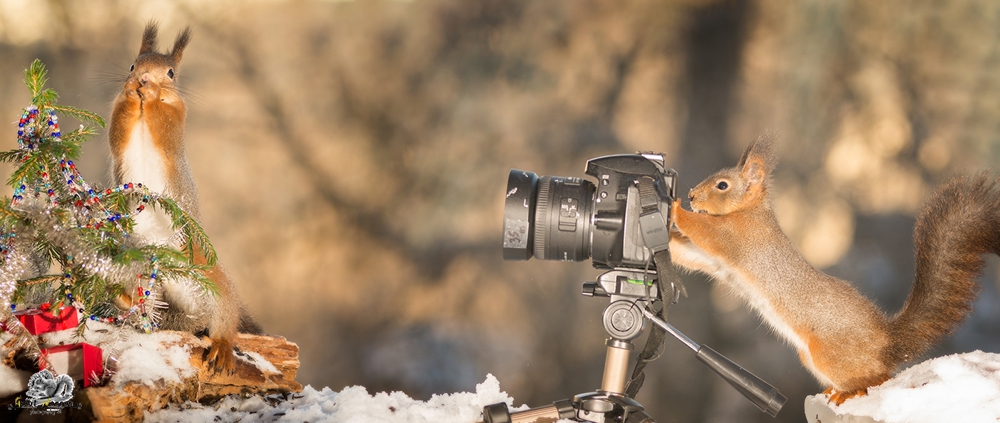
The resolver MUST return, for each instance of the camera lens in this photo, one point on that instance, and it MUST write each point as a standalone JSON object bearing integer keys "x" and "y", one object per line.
{"x": 562, "y": 218}
{"x": 548, "y": 217}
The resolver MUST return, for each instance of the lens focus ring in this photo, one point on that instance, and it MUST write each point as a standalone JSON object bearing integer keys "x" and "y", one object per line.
{"x": 542, "y": 216}
{"x": 563, "y": 218}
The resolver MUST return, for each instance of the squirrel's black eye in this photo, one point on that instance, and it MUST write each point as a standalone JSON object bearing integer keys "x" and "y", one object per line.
{"x": 170, "y": 73}
{"x": 722, "y": 185}
{"x": 131, "y": 68}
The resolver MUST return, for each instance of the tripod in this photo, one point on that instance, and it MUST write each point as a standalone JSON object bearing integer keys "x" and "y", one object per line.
{"x": 632, "y": 294}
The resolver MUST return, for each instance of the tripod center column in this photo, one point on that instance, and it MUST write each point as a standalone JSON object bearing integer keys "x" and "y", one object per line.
{"x": 616, "y": 366}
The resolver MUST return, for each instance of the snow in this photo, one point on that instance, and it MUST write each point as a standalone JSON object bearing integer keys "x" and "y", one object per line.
{"x": 147, "y": 360}
{"x": 351, "y": 405}
{"x": 954, "y": 388}
{"x": 261, "y": 362}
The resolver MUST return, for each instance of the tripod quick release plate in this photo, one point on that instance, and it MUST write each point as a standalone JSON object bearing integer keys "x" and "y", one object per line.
{"x": 627, "y": 283}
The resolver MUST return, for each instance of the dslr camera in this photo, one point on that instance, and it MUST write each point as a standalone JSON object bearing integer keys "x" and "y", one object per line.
{"x": 619, "y": 220}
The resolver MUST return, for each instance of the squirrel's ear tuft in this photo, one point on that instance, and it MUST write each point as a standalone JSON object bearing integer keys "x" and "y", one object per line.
{"x": 149, "y": 38}
{"x": 758, "y": 159}
{"x": 182, "y": 41}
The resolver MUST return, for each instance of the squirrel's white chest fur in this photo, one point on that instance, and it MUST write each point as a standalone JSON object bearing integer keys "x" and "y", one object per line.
{"x": 692, "y": 257}
{"x": 143, "y": 163}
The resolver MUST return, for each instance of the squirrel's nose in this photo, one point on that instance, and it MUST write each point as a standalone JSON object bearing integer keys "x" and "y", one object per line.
{"x": 691, "y": 195}
{"x": 144, "y": 78}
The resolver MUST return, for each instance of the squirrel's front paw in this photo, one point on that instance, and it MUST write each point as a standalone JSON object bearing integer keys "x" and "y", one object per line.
{"x": 131, "y": 87}
{"x": 149, "y": 91}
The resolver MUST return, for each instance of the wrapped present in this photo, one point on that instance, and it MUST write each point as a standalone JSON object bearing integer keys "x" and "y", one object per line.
{"x": 80, "y": 361}
{"x": 44, "y": 320}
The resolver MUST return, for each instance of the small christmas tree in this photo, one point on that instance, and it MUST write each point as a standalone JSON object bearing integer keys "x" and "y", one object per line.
{"x": 66, "y": 243}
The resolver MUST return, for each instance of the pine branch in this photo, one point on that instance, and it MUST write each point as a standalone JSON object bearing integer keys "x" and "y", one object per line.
{"x": 12, "y": 156}
{"x": 164, "y": 254}
{"x": 80, "y": 114}
{"x": 34, "y": 78}
{"x": 45, "y": 98}
{"x": 46, "y": 252}
{"x": 148, "y": 252}
{"x": 195, "y": 237}
{"x": 8, "y": 216}
{"x": 78, "y": 136}
{"x": 119, "y": 201}
{"x": 97, "y": 294}
{"x": 25, "y": 173}
{"x": 68, "y": 148}
{"x": 41, "y": 280}
{"x": 128, "y": 255}
{"x": 195, "y": 274}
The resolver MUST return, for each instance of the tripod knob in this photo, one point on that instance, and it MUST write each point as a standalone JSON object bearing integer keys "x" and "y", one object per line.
{"x": 623, "y": 320}
{"x": 593, "y": 289}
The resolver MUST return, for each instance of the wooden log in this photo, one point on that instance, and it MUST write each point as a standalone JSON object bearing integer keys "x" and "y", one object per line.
{"x": 128, "y": 403}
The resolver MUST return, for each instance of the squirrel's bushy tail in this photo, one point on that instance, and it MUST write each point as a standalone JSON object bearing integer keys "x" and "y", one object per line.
{"x": 959, "y": 224}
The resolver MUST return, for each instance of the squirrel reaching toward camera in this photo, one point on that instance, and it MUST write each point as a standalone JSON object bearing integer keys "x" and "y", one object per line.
{"x": 147, "y": 147}
{"x": 842, "y": 337}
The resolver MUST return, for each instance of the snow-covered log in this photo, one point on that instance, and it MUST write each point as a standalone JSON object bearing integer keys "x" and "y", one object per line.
{"x": 266, "y": 364}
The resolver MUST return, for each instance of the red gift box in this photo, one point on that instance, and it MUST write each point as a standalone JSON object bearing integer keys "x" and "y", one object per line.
{"x": 38, "y": 321}
{"x": 80, "y": 361}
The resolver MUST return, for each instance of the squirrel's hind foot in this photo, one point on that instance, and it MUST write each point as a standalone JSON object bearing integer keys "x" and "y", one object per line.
{"x": 838, "y": 397}
{"x": 220, "y": 357}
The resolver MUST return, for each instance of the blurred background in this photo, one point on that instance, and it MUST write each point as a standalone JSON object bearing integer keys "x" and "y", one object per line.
{"x": 351, "y": 159}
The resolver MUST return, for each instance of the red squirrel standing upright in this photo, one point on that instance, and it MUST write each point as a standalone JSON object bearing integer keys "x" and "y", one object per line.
{"x": 147, "y": 147}
{"x": 842, "y": 338}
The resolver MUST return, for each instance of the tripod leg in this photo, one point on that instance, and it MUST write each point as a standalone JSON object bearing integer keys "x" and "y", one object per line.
{"x": 548, "y": 414}
{"x": 639, "y": 417}
{"x": 498, "y": 413}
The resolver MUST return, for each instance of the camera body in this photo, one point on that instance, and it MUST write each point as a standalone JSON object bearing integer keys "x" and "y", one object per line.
{"x": 612, "y": 221}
